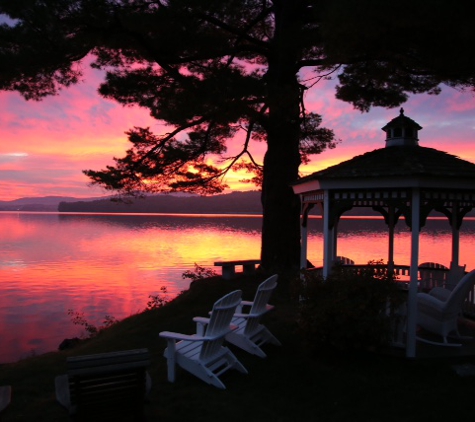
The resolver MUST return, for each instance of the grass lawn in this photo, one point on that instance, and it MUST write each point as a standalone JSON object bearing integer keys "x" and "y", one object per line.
{"x": 289, "y": 385}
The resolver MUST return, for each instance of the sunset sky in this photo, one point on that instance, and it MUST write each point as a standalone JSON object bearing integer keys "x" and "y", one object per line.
{"x": 45, "y": 145}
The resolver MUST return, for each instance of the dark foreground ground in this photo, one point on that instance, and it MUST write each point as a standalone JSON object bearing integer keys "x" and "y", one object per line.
{"x": 289, "y": 385}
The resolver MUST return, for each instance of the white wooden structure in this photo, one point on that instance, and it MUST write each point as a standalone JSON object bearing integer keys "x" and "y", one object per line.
{"x": 229, "y": 267}
{"x": 251, "y": 334}
{"x": 402, "y": 179}
{"x": 439, "y": 310}
{"x": 203, "y": 353}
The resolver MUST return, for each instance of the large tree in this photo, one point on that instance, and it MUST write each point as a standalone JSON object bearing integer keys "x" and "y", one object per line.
{"x": 213, "y": 68}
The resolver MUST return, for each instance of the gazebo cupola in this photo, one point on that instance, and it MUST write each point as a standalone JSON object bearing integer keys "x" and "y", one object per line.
{"x": 402, "y": 131}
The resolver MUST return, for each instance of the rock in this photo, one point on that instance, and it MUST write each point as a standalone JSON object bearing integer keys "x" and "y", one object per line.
{"x": 69, "y": 343}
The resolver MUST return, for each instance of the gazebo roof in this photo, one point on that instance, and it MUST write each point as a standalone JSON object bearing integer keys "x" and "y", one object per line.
{"x": 402, "y": 162}
{"x": 398, "y": 161}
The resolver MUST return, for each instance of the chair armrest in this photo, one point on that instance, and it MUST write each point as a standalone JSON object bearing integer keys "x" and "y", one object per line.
{"x": 242, "y": 305}
{"x": 241, "y": 315}
{"x": 170, "y": 335}
{"x": 425, "y": 301}
{"x": 201, "y": 323}
{"x": 255, "y": 315}
{"x": 440, "y": 293}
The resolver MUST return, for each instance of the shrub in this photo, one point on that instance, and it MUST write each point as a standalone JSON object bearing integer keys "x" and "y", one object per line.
{"x": 158, "y": 300}
{"x": 199, "y": 273}
{"x": 348, "y": 311}
{"x": 78, "y": 318}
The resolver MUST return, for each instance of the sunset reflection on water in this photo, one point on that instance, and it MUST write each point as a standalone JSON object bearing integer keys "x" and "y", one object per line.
{"x": 102, "y": 264}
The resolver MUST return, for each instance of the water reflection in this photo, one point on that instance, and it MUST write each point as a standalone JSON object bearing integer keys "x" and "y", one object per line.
{"x": 110, "y": 264}
{"x": 242, "y": 223}
{"x": 100, "y": 264}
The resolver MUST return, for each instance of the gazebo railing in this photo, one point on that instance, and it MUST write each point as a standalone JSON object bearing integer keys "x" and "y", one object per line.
{"x": 428, "y": 279}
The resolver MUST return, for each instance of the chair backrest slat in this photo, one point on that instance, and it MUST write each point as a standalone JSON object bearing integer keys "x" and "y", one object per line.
{"x": 430, "y": 278}
{"x": 259, "y": 306}
{"x": 219, "y": 322}
{"x": 263, "y": 294}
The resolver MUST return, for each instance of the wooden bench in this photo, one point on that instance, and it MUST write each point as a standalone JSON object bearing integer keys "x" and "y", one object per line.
{"x": 106, "y": 386}
{"x": 229, "y": 267}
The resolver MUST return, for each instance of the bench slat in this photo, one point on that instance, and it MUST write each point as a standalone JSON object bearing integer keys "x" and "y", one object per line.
{"x": 229, "y": 267}
{"x": 106, "y": 383}
{"x": 239, "y": 262}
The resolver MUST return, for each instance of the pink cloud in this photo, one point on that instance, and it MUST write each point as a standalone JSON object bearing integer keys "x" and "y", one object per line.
{"x": 59, "y": 137}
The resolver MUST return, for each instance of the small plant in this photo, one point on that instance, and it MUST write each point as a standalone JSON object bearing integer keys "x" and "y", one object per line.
{"x": 348, "y": 310}
{"x": 78, "y": 318}
{"x": 159, "y": 300}
{"x": 199, "y": 273}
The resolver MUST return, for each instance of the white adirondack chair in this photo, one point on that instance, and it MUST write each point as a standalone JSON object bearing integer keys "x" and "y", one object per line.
{"x": 250, "y": 334}
{"x": 343, "y": 260}
{"x": 430, "y": 278}
{"x": 203, "y": 353}
{"x": 438, "y": 311}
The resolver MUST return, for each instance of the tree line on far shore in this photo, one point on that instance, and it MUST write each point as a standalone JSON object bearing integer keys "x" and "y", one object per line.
{"x": 231, "y": 203}
{"x": 235, "y": 202}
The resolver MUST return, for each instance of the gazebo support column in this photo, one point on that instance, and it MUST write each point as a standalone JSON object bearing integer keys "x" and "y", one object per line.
{"x": 327, "y": 237}
{"x": 304, "y": 237}
{"x": 412, "y": 296}
{"x": 455, "y": 273}
{"x": 335, "y": 240}
{"x": 303, "y": 247}
{"x": 391, "y": 224}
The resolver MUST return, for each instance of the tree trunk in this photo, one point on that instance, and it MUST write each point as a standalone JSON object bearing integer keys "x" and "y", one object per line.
{"x": 281, "y": 207}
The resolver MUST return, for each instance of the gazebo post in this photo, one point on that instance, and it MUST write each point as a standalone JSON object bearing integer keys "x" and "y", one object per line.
{"x": 391, "y": 225}
{"x": 412, "y": 299}
{"x": 304, "y": 237}
{"x": 327, "y": 236}
{"x": 455, "y": 270}
{"x": 335, "y": 240}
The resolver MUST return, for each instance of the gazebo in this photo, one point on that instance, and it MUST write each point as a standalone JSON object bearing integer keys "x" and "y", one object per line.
{"x": 401, "y": 179}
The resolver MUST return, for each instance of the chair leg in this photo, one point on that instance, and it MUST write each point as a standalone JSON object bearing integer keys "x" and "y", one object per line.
{"x": 171, "y": 359}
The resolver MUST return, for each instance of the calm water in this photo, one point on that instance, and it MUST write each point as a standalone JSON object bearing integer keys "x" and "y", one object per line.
{"x": 109, "y": 264}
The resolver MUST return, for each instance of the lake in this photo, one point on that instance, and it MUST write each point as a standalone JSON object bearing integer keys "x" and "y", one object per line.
{"x": 109, "y": 264}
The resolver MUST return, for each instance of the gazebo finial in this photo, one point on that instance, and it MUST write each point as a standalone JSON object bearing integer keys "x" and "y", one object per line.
{"x": 401, "y": 112}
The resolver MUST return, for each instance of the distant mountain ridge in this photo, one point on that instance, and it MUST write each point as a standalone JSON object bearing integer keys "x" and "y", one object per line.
{"x": 231, "y": 203}
{"x": 235, "y": 202}
{"x": 43, "y": 203}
